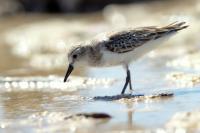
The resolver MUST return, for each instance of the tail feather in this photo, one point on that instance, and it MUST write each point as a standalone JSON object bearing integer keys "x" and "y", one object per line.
{"x": 176, "y": 26}
{"x": 169, "y": 29}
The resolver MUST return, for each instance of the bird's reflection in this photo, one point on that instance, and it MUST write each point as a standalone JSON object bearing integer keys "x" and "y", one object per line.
{"x": 130, "y": 112}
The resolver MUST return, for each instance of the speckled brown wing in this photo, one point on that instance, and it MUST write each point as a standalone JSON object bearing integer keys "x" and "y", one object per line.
{"x": 126, "y": 41}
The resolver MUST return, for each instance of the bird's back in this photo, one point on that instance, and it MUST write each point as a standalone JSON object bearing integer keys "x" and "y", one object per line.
{"x": 128, "y": 40}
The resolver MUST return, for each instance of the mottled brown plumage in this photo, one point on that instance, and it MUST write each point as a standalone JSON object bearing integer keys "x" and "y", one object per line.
{"x": 128, "y": 40}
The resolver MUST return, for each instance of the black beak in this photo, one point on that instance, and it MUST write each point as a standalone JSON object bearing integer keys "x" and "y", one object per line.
{"x": 70, "y": 69}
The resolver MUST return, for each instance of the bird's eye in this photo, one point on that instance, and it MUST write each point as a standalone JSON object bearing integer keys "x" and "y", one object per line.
{"x": 75, "y": 56}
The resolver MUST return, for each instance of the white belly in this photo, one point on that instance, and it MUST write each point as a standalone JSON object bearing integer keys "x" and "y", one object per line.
{"x": 112, "y": 58}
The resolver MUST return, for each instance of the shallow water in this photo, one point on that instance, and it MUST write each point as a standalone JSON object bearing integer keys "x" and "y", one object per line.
{"x": 33, "y": 97}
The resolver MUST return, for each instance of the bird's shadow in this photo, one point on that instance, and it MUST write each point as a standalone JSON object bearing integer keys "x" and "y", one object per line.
{"x": 176, "y": 92}
{"x": 132, "y": 96}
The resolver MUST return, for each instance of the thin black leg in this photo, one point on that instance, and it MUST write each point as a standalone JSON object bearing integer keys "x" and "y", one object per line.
{"x": 128, "y": 80}
{"x": 129, "y": 75}
{"x": 125, "y": 85}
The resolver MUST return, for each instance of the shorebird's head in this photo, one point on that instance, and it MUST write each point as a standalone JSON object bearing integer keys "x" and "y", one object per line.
{"x": 77, "y": 57}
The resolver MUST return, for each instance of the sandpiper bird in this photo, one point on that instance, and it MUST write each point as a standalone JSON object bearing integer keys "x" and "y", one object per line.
{"x": 120, "y": 48}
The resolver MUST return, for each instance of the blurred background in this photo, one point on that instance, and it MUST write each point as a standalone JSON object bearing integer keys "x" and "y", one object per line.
{"x": 35, "y": 36}
{"x": 59, "y": 6}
